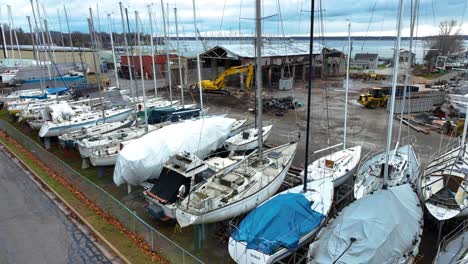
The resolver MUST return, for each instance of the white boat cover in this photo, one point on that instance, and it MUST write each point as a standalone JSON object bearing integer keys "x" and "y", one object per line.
{"x": 384, "y": 224}
{"x": 60, "y": 111}
{"x": 143, "y": 158}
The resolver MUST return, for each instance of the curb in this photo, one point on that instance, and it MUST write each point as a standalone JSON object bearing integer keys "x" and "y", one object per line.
{"x": 66, "y": 206}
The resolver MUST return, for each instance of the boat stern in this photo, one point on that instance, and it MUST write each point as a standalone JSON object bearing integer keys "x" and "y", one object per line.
{"x": 240, "y": 254}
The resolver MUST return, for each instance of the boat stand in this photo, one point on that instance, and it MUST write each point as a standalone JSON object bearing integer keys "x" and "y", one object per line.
{"x": 47, "y": 143}
{"x": 85, "y": 163}
{"x": 100, "y": 171}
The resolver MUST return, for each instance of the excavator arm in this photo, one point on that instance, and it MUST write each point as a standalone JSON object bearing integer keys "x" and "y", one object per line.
{"x": 220, "y": 82}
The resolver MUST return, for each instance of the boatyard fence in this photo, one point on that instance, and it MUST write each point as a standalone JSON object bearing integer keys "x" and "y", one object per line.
{"x": 158, "y": 242}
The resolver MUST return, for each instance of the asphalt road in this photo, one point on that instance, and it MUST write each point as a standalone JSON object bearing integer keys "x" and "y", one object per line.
{"x": 32, "y": 228}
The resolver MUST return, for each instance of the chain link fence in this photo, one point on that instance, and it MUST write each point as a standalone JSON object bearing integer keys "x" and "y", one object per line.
{"x": 158, "y": 242}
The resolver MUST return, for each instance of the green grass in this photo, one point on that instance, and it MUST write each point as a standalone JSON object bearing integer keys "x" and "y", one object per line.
{"x": 112, "y": 234}
{"x": 72, "y": 159}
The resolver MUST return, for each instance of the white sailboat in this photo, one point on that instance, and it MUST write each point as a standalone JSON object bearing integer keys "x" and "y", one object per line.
{"x": 282, "y": 224}
{"x": 87, "y": 146}
{"x": 243, "y": 186}
{"x": 56, "y": 113}
{"x": 453, "y": 249}
{"x": 383, "y": 227}
{"x": 247, "y": 139}
{"x": 180, "y": 175}
{"x": 342, "y": 164}
{"x": 288, "y": 220}
{"x": 397, "y": 166}
{"x": 386, "y": 225}
{"x": 239, "y": 189}
{"x": 338, "y": 166}
{"x": 403, "y": 168}
{"x": 70, "y": 139}
{"x": 53, "y": 129}
{"x": 444, "y": 184}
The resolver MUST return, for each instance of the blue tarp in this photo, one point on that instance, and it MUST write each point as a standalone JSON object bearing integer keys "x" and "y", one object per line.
{"x": 280, "y": 222}
{"x": 42, "y": 96}
{"x": 60, "y": 90}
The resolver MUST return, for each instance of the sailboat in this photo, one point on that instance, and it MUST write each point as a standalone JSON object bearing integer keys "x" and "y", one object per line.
{"x": 454, "y": 247}
{"x": 57, "y": 128}
{"x": 384, "y": 226}
{"x": 342, "y": 164}
{"x": 241, "y": 187}
{"x": 403, "y": 168}
{"x": 288, "y": 220}
{"x": 444, "y": 186}
{"x": 247, "y": 139}
{"x": 179, "y": 176}
{"x": 69, "y": 140}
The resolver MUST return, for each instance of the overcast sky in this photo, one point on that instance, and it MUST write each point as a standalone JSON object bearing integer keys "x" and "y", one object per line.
{"x": 228, "y": 16}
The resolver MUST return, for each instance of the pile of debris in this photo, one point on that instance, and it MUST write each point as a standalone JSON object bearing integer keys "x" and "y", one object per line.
{"x": 279, "y": 106}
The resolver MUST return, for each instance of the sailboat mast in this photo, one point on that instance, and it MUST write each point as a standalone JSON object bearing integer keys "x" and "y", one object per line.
{"x": 36, "y": 57}
{"x": 70, "y": 36}
{"x": 309, "y": 92}
{"x": 96, "y": 69}
{"x": 258, "y": 76}
{"x": 16, "y": 35}
{"x": 109, "y": 18}
{"x": 61, "y": 33}
{"x": 135, "y": 90}
{"x": 200, "y": 87}
{"x": 127, "y": 52}
{"x": 392, "y": 100}
{"x": 5, "y": 50}
{"x": 153, "y": 63}
{"x": 181, "y": 81}
{"x": 142, "y": 74}
{"x": 347, "y": 87}
{"x": 405, "y": 87}
{"x": 168, "y": 72}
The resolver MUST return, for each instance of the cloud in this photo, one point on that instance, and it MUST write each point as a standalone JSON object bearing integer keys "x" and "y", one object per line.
{"x": 368, "y": 17}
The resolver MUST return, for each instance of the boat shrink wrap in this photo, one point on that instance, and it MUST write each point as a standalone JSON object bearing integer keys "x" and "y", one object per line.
{"x": 143, "y": 158}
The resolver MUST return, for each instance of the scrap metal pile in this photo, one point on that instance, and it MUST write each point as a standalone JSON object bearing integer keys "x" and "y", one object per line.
{"x": 279, "y": 106}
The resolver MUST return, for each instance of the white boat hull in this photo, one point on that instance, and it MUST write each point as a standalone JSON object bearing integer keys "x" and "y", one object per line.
{"x": 54, "y": 131}
{"x": 252, "y": 144}
{"x": 237, "y": 208}
{"x": 108, "y": 160}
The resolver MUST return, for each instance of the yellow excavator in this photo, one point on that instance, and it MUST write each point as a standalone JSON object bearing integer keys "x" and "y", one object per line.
{"x": 373, "y": 99}
{"x": 220, "y": 82}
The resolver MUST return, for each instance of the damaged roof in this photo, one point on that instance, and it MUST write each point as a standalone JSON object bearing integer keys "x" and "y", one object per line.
{"x": 247, "y": 50}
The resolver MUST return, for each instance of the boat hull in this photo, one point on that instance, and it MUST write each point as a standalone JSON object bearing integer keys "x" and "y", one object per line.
{"x": 243, "y": 206}
{"x": 247, "y": 146}
{"x": 54, "y": 131}
{"x": 241, "y": 254}
{"x": 108, "y": 160}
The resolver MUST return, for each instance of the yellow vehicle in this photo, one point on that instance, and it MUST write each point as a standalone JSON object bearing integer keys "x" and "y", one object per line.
{"x": 373, "y": 99}
{"x": 91, "y": 78}
{"x": 220, "y": 82}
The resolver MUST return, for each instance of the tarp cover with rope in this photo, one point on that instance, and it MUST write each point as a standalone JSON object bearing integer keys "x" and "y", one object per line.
{"x": 280, "y": 222}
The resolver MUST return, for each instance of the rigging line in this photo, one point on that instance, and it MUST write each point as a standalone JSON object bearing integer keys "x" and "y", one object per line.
{"x": 463, "y": 15}
{"x": 433, "y": 13}
{"x": 368, "y": 25}
{"x": 287, "y": 61}
{"x": 222, "y": 20}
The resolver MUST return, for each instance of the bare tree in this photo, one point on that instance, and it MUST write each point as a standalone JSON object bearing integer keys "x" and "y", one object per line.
{"x": 448, "y": 41}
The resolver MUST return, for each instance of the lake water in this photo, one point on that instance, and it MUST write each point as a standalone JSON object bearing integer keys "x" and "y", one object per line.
{"x": 382, "y": 47}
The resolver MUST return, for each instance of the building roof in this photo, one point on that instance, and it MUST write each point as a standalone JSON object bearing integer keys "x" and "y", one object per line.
{"x": 366, "y": 56}
{"x": 247, "y": 50}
